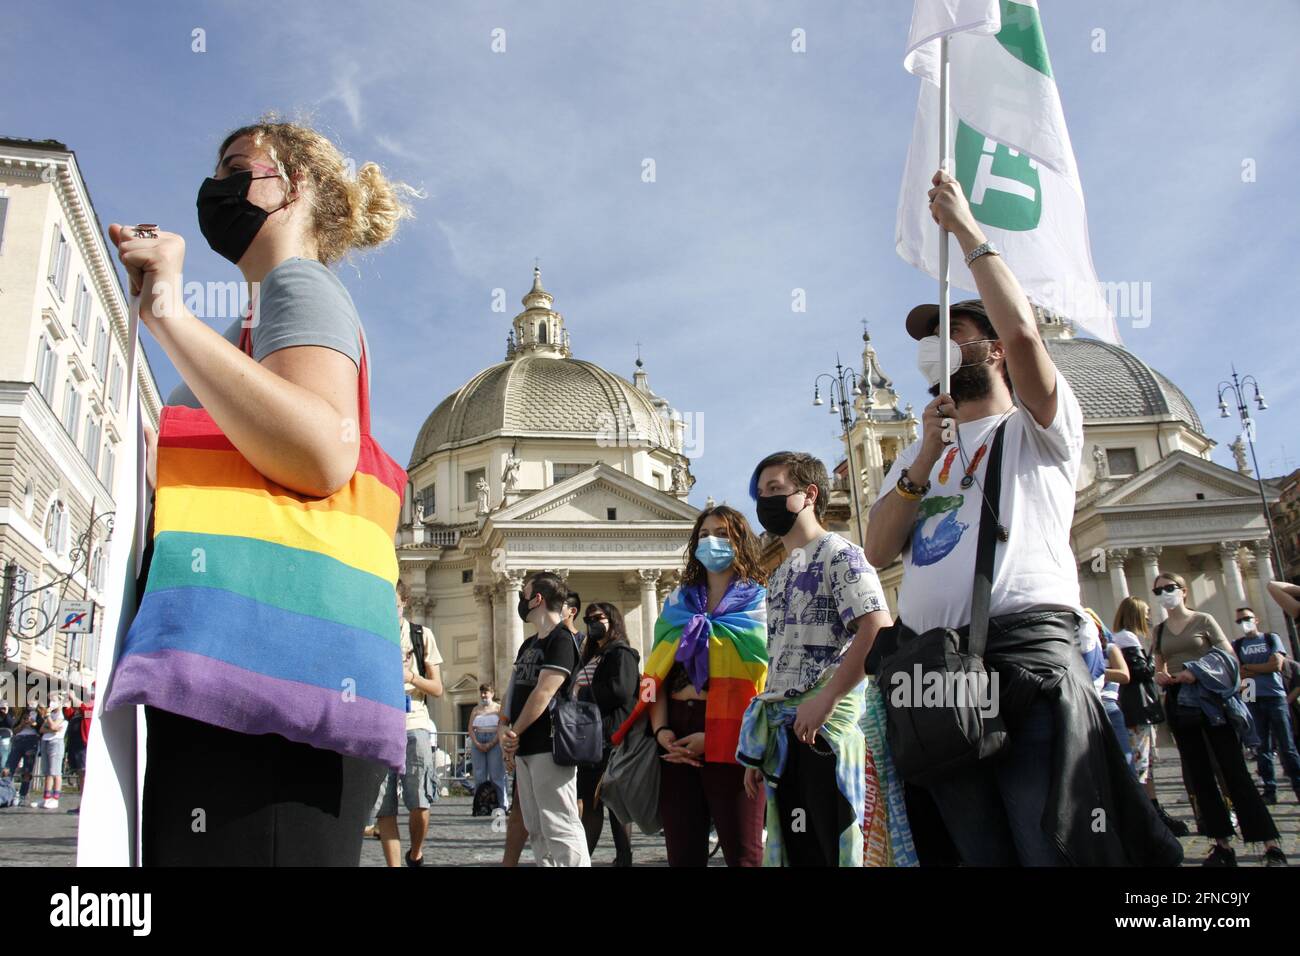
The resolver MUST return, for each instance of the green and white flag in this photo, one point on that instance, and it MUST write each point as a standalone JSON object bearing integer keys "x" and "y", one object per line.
{"x": 1011, "y": 153}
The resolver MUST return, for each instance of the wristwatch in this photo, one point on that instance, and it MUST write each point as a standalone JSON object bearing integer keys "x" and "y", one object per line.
{"x": 983, "y": 249}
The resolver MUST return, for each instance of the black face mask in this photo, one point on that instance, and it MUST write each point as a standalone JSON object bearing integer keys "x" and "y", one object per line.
{"x": 596, "y": 630}
{"x": 227, "y": 219}
{"x": 523, "y": 607}
{"x": 773, "y": 514}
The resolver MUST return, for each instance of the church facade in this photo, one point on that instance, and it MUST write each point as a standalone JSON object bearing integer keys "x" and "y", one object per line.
{"x": 1149, "y": 497}
{"x": 540, "y": 462}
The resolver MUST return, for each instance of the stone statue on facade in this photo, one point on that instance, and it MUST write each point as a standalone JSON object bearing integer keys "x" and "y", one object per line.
{"x": 484, "y": 496}
{"x": 1239, "y": 453}
{"x": 1099, "y": 463}
{"x": 510, "y": 475}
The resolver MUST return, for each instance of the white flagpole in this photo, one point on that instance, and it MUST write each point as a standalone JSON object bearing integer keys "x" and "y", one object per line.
{"x": 945, "y": 380}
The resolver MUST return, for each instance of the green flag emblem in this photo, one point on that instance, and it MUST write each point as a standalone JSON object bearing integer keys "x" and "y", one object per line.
{"x": 1001, "y": 184}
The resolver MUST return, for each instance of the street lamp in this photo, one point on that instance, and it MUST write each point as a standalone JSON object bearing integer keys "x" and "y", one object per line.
{"x": 845, "y": 386}
{"x": 1237, "y": 389}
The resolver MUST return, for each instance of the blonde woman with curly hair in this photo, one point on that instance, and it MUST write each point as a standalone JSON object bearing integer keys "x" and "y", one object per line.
{"x": 282, "y": 206}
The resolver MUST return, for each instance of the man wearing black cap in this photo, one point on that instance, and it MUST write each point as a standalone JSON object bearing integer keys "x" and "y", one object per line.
{"x": 929, "y": 512}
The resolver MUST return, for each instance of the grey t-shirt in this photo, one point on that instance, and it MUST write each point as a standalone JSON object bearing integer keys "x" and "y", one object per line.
{"x": 301, "y": 303}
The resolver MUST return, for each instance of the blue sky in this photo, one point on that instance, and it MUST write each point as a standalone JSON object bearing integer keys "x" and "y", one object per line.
{"x": 775, "y": 171}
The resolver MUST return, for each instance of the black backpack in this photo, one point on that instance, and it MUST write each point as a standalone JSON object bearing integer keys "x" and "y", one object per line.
{"x": 486, "y": 801}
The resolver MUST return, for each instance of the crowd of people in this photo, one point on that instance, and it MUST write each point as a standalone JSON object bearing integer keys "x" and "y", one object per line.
{"x": 46, "y": 743}
{"x": 781, "y": 712}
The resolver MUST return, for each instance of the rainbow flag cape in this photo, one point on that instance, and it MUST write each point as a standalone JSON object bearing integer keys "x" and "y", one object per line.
{"x": 267, "y": 611}
{"x": 736, "y": 632}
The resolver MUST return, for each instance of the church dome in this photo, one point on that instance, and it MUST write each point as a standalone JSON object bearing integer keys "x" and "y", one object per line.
{"x": 541, "y": 391}
{"x": 1110, "y": 381}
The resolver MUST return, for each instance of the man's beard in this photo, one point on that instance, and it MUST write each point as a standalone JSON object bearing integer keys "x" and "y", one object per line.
{"x": 970, "y": 383}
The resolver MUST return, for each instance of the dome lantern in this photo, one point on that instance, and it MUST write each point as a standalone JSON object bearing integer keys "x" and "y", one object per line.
{"x": 539, "y": 329}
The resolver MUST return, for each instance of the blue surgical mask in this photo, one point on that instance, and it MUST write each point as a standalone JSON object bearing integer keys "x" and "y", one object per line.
{"x": 715, "y": 553}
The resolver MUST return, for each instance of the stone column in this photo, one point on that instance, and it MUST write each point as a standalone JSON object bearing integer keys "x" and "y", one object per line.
{"x": 486, "y": 653}
{"x": 1118, "y": 581}
{"x": 500, "y": 641}
{"x": 1270, "y": 614}
{"x": 512, "y": 582}
{"x": 1150, "y": 568}
{"x": 629, "y": 593}
{"x": 1233, "y": 590}
{"x": 649, "y": 608}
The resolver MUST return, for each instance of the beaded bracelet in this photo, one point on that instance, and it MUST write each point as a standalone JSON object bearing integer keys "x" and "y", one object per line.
{"x": 909, "y": 488}
{"x": 904, "y": 493}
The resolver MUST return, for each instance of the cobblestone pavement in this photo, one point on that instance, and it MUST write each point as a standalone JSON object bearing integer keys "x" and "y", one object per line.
{"x": 34, "y": 837}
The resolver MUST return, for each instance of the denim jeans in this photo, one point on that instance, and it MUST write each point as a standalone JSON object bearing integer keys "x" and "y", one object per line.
{"x": 1121, "y": 730}
{"x": 22, "y": 754}
{"x": 994, "y": 809}
{"x": 490, "y": 766}
{"x": 1273, "y": 725}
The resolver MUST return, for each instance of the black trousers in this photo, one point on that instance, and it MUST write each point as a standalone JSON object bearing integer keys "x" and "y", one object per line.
{"x": 1196, "y": 739}
{"x": 813, "y": 812}
{"x": 216, "y": 797}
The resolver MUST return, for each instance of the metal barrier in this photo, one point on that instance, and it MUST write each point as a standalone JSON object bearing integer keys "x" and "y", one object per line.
{"x": 456, "y": 773}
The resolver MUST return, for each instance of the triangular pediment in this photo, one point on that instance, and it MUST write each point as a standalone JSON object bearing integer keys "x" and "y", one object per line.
{"x": 588, "y": 495}
{"x": 469, "y": 682}
{"x": 1181, "y": 477}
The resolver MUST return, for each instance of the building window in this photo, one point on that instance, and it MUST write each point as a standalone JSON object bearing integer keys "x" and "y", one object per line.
{"x": 92, "y": 639}
{"x": 74, "y": 650}
{"x": 467, "y": 577}
{"x": 101, "y": 349}
{"x": 471, "y": 483}
{"x": 611, "y": 514}
{"x": 562, "y": 470}
{"x": 115, "y": 383}
{"x": 97, "y": 569}
{"x": 1122, "y": 461}
{"x": 4, "y": 208}
{"x": 56, "y": 527}
{"x": 71, "y": 409}
{"x": 659, "y": 480}
{"x": 429, "y": 499}
{"x": 81, "y": 312}
{"x": 59, "y": 255}
{"x": 47, "y": 363}
{"x": 90, "y": 448}
{"x": 22, "y": 602}
{"x": 110, "y": 460}
{"x": 49, "y": 615}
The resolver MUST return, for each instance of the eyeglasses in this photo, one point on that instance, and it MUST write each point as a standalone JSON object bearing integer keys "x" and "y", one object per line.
{"x": 1165, "y": 589}
{"x": 1243, "y": 620}
{"x": 593, "y": 620}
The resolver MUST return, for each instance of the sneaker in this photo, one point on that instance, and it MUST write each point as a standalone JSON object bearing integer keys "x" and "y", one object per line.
{"x": 1274, "y": 856}
{"x": 410, "y": 862}
{"x": 1270, "y": 798}
{"x": 1221, "y": 856}
{"x": 1177, "y": 827}
{"x": 50, "y": 804}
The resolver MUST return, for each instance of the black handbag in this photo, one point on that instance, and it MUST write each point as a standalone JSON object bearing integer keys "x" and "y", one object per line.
{"x": 1139, "y": 701}
{"x": 577, "y": 738}
{"x": 929, "y": 742}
